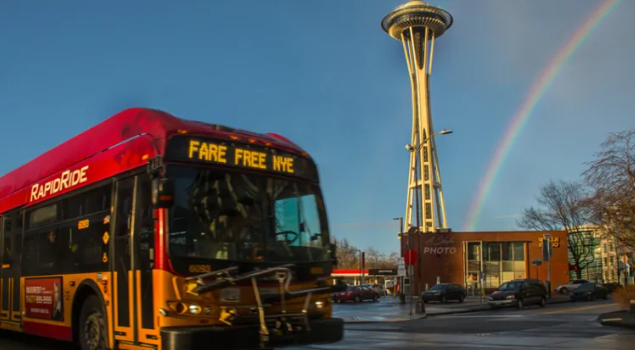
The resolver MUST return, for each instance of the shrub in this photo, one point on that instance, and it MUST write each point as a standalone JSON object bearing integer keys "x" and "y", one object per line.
{"x": 623, "y": 296}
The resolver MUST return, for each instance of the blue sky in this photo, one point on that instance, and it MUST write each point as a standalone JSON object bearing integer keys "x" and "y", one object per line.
{"x": 325, "y": 75}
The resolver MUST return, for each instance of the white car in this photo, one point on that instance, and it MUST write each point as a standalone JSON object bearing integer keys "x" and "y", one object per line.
{"x": 376, "y": 288}
{"x": 566, "y": 288}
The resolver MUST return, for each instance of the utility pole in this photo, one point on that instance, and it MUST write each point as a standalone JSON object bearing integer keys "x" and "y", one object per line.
{"x": 361, "y": 267}
{"x": 401, "y": 250}
{"x": 546, "y": 256}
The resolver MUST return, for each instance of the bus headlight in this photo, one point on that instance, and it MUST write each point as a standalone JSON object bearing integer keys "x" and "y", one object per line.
{"x": 180, "y": 308}
{"x": 195, "y": 309}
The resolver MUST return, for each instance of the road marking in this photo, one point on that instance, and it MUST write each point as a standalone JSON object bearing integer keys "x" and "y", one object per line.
{"x": 611, "y": 319}
{"x": 575, "y": 309}
{"x": 483, "y": 316}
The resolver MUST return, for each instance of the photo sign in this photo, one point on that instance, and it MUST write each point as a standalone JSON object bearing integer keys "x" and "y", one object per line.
{"x": 438, "y": 243}
{"x": 43, "y": 298}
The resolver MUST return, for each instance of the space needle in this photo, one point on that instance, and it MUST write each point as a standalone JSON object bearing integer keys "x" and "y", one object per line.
{"x": 417, "y": 24}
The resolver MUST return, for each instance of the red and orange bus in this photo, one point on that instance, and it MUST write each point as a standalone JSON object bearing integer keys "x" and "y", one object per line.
{"x": 151, "y": 231}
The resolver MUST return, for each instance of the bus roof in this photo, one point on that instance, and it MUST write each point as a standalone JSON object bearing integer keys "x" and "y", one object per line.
{"x": 154, "y": 126}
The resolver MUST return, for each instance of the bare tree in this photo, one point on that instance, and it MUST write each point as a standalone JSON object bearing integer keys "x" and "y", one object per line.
{"x": 348, "y": 257}
{"x": 612, "y": 175}
{"x": 561, "y": 206}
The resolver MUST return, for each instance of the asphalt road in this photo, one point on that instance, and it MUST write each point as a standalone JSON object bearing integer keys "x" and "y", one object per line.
{"x": 389, "y": 308}
{"x": 560, "y": 326}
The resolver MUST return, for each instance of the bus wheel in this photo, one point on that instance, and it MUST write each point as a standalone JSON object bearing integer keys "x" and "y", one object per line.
{"x": 92, "y": 325}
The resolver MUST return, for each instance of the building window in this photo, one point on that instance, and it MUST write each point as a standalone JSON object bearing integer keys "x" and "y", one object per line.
{"x": 508, "y": 251}
{"x": 492, "y": 264}
{"x": 502, "y": 262}
{"x": 473, "y": 262}
{"x": 519, "y": 252}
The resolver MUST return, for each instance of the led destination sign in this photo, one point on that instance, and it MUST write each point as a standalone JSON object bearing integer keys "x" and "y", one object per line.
{"x": 206, "y": 151}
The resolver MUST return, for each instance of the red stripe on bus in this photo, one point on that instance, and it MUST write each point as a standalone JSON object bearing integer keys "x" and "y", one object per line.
{"x": 48, "y": 330}
{"x": 348, "y": 271}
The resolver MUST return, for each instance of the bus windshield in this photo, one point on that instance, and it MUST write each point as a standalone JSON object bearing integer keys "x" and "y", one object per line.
{"x": 237, "y": 216}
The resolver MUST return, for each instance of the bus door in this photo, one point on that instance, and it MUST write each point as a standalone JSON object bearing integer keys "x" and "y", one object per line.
{"x": 11, "y": 271}
{"x": 132, "y": 265}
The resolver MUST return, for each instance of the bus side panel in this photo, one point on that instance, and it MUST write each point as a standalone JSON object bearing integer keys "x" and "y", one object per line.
{"x": 69, "y": 286}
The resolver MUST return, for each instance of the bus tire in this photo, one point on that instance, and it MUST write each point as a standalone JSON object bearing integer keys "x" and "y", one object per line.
{"x": 92, "y": 325}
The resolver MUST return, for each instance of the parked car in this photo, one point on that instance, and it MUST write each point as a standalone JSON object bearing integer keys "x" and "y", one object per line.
{"x": 357, "y": 294}
{"x": 589, "y": 291}
{"x": 443, "y": 292}
{"x": 519, "y": 293}
{"x": 612, "y": 286}
{"x": 377, "y": 288}
{"x": 339, "y": 287}
{"x": 573, "y": 285}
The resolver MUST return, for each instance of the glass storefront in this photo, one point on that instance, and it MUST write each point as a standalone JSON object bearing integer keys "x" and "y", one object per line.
{"x": 500, "y": 262}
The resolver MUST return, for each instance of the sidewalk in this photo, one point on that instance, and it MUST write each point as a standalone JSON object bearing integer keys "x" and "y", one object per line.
{"x": 621, "y": 318}
{"x": 388, "y": 309}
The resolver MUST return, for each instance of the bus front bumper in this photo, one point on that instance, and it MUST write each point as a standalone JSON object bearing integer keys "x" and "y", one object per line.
{"x": 247, "y": 336}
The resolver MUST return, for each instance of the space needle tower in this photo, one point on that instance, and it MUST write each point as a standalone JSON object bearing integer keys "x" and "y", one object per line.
{"x": 417, "y": 24}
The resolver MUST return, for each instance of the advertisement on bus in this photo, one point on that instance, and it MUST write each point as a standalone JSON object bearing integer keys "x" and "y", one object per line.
{"x": 43, "y": 298}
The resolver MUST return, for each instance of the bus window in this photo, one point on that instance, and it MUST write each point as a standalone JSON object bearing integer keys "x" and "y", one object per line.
{"x": 244, "y": 217}
{"x": 144, "y": 231}
{"x": 122, "y": 256}
{"x": 6, "y": 246}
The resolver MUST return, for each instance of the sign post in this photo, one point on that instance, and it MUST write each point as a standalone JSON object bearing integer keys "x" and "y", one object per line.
{"x": 363, "y": 266}
{"x": 410, "y": 258}
{"x": 546, "y": 256}
{"x": 401, "y": 273}
{"x": 401, "y": 268}
{"x": 536, "y": 262}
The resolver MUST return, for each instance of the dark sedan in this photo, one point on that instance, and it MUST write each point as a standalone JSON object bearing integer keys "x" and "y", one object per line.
{"x": 589, "y": 291}
{"x": 443, "y": 292}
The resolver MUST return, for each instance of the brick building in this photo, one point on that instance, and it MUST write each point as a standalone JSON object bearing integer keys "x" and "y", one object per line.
{"x": 457, "y": 257}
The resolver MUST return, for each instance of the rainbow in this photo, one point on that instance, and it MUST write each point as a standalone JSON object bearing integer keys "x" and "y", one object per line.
{"x": 538, "y": 90}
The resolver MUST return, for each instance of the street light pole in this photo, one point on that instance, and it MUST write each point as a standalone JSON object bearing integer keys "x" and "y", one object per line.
{"x": 401, "y": 234}
{"x": 360, "y": 266}
{"x": 401, "y": 250}
{"x": 417, "y": 234}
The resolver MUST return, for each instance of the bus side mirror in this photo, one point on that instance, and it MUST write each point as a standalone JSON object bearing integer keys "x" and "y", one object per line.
{"x": 162, "y": 193}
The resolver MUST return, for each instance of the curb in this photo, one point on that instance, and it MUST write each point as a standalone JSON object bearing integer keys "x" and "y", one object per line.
{"x": 485, "y": 308}
{"x": 393, "y": 320}
{"x": 614, "y": 322}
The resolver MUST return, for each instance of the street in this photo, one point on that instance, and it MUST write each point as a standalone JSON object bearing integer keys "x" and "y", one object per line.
{"x": 558, "y": 326}
{"x": 389, "y": 309}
